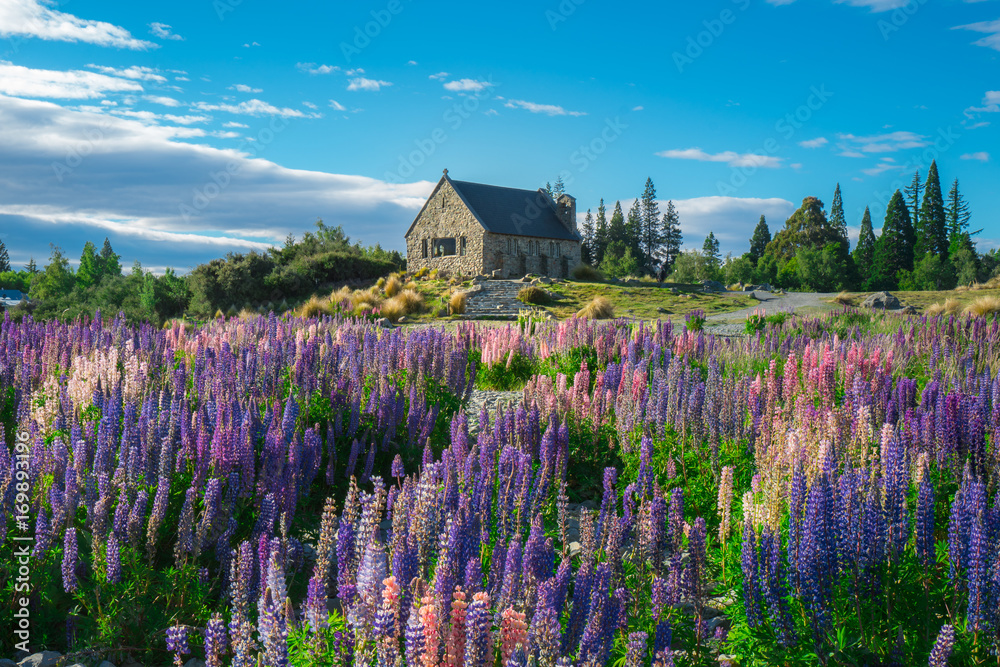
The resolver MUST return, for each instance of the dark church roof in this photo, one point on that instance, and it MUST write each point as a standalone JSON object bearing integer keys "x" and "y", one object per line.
{"x": 512, "y": 211}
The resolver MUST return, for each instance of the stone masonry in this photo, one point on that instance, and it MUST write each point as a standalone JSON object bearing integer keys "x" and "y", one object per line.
{"x": 445, "y": 216}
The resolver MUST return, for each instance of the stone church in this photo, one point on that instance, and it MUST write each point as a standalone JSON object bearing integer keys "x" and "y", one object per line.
{"x": 472, "y": 228}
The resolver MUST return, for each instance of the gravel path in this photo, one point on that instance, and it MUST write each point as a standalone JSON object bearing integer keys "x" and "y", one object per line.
{"x": 732, "y": 323}
{"x": 492, "y": 400}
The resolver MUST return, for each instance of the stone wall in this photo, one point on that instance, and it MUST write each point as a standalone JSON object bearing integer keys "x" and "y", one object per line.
{"x": 445, "y": 216}
{"x": 515, "y": 265}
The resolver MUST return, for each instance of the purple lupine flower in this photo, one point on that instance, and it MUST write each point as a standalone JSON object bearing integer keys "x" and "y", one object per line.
{"x": 177, "y": 642}
{"x": 113, "y": 563}
{"x": 752, "y": 583}
{"x": 69, "y": 561}
{"x": 43, "y": 534}
{"x": 942, "y": 647}
{"x": 477, "y": 634}
{"x": 676, "y": 519}
{"x": 215, "y": 641}
{"x": 635, "y": 653}
{"x": 414, "y": 640}
{"x": 774, "y": 587}
{"x": 518, "y": 658}
{"x": 273, "y": 630}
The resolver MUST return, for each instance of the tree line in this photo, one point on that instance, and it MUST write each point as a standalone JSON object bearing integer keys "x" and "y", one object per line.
{"x": 925, "y": 244}
{"x": 240, "y": 280}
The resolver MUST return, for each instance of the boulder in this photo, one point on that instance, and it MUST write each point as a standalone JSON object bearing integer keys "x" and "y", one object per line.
{"x": 497, "y": 274}
{"x": 6, "y": 662}
{"x": 383, "y": 322}
{"x": 712, "y": 286}
{"x": 545, "y": 280}
{"x": 402, "y": 320}
{"x": 195, "y": 662}
{"x": 106, "y": 663}
{"x": 674, "y": 290}
{"x": 910, "y": 310}
{"x": 43, "y": 659}
{"x": 881, "y": 301}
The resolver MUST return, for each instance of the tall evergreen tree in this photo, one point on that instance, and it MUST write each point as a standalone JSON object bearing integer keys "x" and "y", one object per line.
{"x": 894, "y": 249}
{"x": 89, "y": 271}
{"x": 559, "y": 188}
{"x": 601, "y": 232}
{"x": 711, "y": 250}
{"x": 837, "y": 219}
{"x": 957, "y": 216}
{"x": 652, "y": 232}
{"x": 588, "y": 238}
{"x": 548, "y": 190}
{"x": 4, "y": 258}
{"x": 671, "y": 237}
{"x": 616, "y": 227}
{"x": 932, "y": 230}
{"x": 31, "y": 267}
{"x": 912, "y": 194}
{"x": 633, "y": 230}
{"x": 758, "y": 242}
{"x": 109, "y": 264}
{"x": 864, "y": 253}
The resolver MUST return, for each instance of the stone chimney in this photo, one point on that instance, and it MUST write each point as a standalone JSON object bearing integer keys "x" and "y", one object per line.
{"x": 566, "y": 208}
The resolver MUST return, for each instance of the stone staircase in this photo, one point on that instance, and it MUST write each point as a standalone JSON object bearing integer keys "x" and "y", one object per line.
{"x": 495, "y": 299}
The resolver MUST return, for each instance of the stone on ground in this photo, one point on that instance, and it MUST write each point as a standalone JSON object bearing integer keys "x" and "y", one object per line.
{"x": 881, "y": 301}
{"x": 43, "y": 659}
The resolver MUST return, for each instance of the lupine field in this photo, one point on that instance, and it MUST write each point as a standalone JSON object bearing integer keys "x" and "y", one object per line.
{"x": 279, "y": 491}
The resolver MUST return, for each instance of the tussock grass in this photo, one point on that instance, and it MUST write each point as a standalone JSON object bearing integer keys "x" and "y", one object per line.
{"x": 586, "y": 273}
{"x": 844, "y": 299}
{"x": 392, "y": 286}
{"x": 406, "y": 302}
{"x": 314, "y": 307}
{"x": 457, "y": 303}
{"x": 533, "y": 295}
{"x": 984, "y": 306}
{"x": 598, "y": 309}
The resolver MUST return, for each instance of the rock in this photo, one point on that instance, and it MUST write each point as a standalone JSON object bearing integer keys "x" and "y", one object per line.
{"x": 713, "y": 624}
{"x": 881, "y": 301}
{"x": 195, "y": 662}
{"x": 662, "y": 310}
{"x": 333, "y": 605}
{"x": 497, "y": 274}
{"x": 402, "y": 320}
{"x": 588, "y": 504}
{"x": 5, "y": 662}
{"x": 910, "y": 310}
{"x": 77, "y": 664}
{"x": 545, "y": 280}
{"x": 712, "y": 286}
{"x": 674, "y": 290}
{"x": 106, "y": 663}
{"x": 574, "y": 548}
{"x": 526, "y": 279}
{"x": 383, "y": 322}
{"x": 43, "y": 659}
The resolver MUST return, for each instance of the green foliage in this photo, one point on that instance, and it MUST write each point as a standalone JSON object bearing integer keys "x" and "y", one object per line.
{"x": 533, "y": 295}
{"x": 711, "y": 250}
{"x": 587, "y": 274}
{"x": 56, "y": 280}
{"x": 693, "y": 266}
{"x": 931, "y": 228}
{"x": 930, "y": 273}
{"x": 619, "y": 261}
{"x": 4, "y": 259}
{"x": 738, "y": 270}
{"x": 755, "y": 323}
{"x": 758, "y": 242}
{"x": 15, "y": 280}
{"x": 90, "y": 269}
{"x": 672, "y": 237}
{"x": 894, "y": 250}
{"x": 864, "y": 253}
{"x": 822, "y": 270}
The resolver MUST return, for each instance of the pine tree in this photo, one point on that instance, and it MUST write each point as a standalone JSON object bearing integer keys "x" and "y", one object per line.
{"x": 652, "y": 232}
{"x": 864, "y": 253}
{"x": 671, "y": 237}
{"x": 109, "y": 264}
{"x": 711, "y": 250}
{"x": 601, "y": 233}
{"x": 957, "y": 216}
{"x": 616, "y": 228}
{"x": 837, "y": 219}
{"x": 559, "y": 188}
{"x": 89, "y": 271}
{"x": 588, "y": 238}
{"x": 894, "y": 249}
{"x": 758, "y": 242}
{"x": 633, "y": 230}
{"x": 932, "y": 232}
{"x": 548, "y": 189}
{"x": 4, "y": 258}
{"x": 31, "y": 267}
{"x": 912, "y": 193}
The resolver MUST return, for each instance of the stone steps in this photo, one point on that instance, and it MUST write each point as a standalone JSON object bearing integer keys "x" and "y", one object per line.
{"x": 495, "y": 298}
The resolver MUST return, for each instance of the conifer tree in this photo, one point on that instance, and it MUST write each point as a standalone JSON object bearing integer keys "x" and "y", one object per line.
{"x": 711, "y": 250}
{"x": 957, "y": 216}
{"x": 894, "y": 249}
{"x": 671, "y": 237}
{"x": 4, "y": 258}
{"x": 912, "y": 194}
{"x": 109, "y": 264}
{"x": 89, "y": 271}
{"x": 837, "y": 219}
{"x": 864, "y": 253}
{"x": 932, "y": 232}
{"x": 616, "y": 227}
{"x": 31, "y": 267}
{"x": 601, "y": 233}
{"x": 548, "y": 189}
{"x": 758, "y": 242}
{"x": 559, "y": 188}
{"x": 588, "y": 238}
{"x": 633, "y": 231}
{"x": 652, "y": 237}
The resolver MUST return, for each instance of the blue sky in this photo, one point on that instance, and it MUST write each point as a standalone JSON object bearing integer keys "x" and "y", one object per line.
{"x": 188, "y": 131}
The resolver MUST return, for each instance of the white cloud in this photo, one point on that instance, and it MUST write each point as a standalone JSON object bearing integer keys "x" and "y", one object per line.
{"x": 361, "y": 83}
{"x": 990, "y": 28}
{"x": 732, "y": 158}
{"x": 150, "y": 118}
{"x": 254, "y": 107}
{"x": 243, "y": 88}
{"x": 162, "y": 30}
{"x": 731, "y": 219}
{"x": 884, "y": 165}
{"x": 247, "y": 46}
{"x": 154, "y": 214}
{"x": 31, "y": 18}
{"x": 310, "y": 105}
{"x": 547, "y": 109}
{"x": 21, "y": 81}
{"x": 467, "y": 85}
{"x": 991, "y": 103}
{"x": 233, "y": 123}
{"x": 313, "y": 68}
{"x": 981, "y": 156}
{"x": 858, "y": 146}
{"x": 874, "y": 5}
{"x": 814, "y": 143}
{"x": 639, "y": 108}
{"x": 159, "y": 99}
{"x": 412, "y": 62}
{"x": 136, "y": 72}
{"x": 439, "y": 76}
{"x": 334, "y": 104}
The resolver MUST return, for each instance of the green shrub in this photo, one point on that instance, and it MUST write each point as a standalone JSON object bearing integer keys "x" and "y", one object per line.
{"x": 534, "y": 295}
{"x": 585, "y": 273}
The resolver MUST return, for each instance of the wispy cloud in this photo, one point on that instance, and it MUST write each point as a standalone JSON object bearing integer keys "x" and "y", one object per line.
{"x": 467, "y": 85}
{"x": 313, "y": 68}
{"x": 990, "y": 28}
{"x": 884, "y": 165}
{"x": 362, "y": 83}
{"x": 991, "y": 103}
{"x": 160, "y": 99}
{"x": 254, "y": 107}
{"x": 243, "y": 88}
{"x": 732, "y": 158}
{"x": 439, "y": 76}
{"x": 136, "y": 72}
{"x": 860, "y": 146}
{"x": 334, "y": 104}
{"x": 19, "y": 81}
{"x": 162, "y": 30}
{"x": 547, "y": 109}
{"x": 981, "y": 156}
{"x": 32, "y": 18}
{"x": 818, "y": 142}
